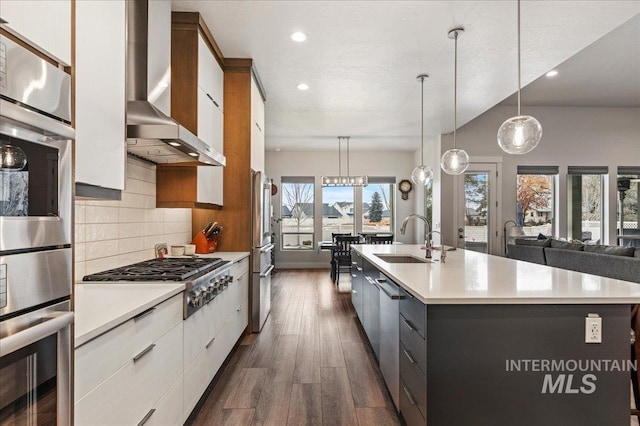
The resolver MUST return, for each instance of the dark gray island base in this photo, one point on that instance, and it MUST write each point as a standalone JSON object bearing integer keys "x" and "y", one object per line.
{"x": 474, "y": 352}
{"x": 484, "y": 340}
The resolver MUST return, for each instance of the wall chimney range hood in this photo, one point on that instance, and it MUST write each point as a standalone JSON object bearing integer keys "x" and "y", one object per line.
{"x": 152, "y": 134}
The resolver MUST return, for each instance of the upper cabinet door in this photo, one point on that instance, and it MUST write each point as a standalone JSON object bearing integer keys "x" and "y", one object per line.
{"x": 205, "y": 67}
{"x": 159, "y": 56}
{"x": 257, "y": 128}
{"x": 218, "y": 85}
{"x": 45, "y": 24}
{"x": 100, "y": 93}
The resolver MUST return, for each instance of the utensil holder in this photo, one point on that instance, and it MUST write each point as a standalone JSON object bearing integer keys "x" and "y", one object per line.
{"x": 201, "y": 243}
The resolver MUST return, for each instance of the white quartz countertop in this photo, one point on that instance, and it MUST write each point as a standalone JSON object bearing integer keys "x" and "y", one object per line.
{"x": 469, "y": 277}
{"x": 99, "y": 307}
{"x": 229, "y": 256}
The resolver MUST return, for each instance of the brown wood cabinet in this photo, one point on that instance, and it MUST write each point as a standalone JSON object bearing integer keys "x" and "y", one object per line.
{"x": 197, "y": 102}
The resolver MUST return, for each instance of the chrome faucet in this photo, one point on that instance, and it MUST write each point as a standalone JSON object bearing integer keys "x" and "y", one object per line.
{"x": 427, "y": 242}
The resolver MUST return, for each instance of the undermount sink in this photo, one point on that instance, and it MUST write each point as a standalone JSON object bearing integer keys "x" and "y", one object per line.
{"x": 402, "y": 258}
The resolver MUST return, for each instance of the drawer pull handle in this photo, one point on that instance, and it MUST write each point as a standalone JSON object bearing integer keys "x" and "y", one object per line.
{"x": 354, "y": 263}
{"x": 354, "y": 276}
{"x": 408, "y": 355}
{"x": 359, "y": 269}
{"x": 144, "y": 314}
{"x": 144, "y": 352}
{"x": 210, "y": 342}
{"x": 354, "y": 292}
{"x": 215, "y": 103}
{"x": 147, "y": 417}
{"x": 408, "y": 324}
{"x": 411, "y": 400}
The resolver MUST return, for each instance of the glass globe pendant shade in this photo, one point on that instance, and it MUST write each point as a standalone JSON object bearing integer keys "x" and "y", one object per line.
{"x": 455, "y": 161}
{"x": 520, "y": 134}
{"x": 12, "y": 158}
{"x": 422, "y": 175}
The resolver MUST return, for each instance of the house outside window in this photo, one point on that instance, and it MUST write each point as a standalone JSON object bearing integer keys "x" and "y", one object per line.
{"x": 338, "y": 211}
{"x": 535, "y": 199}
{"x": 297, "y": 213}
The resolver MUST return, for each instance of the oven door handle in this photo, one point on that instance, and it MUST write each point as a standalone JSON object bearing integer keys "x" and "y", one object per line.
{"x": 266, "y": 274}
{"x": 51, "y": 324}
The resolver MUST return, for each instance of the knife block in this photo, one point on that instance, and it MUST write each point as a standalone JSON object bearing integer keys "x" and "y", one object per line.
{"x": 201, "y": 243}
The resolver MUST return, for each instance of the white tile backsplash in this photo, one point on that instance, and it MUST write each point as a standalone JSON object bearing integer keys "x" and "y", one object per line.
{"x": 110, "y": 234}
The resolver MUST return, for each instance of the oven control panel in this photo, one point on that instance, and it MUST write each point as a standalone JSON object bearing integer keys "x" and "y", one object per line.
{"x": 204, "y": 291}
{"x": 3, "y": 285}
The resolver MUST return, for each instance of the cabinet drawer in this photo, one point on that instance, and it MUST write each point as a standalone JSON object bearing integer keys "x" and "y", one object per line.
{"x": 414, "y": 312}
{"x": 414, "y": 380}
{"x": 240, "y": 268}
{"x": 168, "y": 411}
{"x": 127, "y": 396}
{"x": 99, "y": 358}
{"x": 239, "y": 316}
{"x": 409, "y": 410}
{"x": 414, "y": 344}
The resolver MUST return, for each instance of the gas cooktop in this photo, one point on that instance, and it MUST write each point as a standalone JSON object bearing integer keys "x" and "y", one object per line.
{"x": 168, "y": 269}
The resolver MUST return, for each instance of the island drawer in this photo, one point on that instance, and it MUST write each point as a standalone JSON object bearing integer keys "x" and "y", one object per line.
{"x": 414, "y": 313}
{"x": 414, "y": 345}
{"x": 240, "y": 268}
{"x": 414, "y": 381}
{"x": 408, "y": 408}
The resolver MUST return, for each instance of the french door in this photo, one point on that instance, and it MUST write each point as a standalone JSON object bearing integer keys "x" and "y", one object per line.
{"x": 477, "y": 223}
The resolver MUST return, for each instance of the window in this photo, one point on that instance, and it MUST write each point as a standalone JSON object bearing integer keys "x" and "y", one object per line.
{"x": 585, "y": 209}
{"x": 535, "y": 196}
{"x": 377, "y": 207}
{"x": 338, "y": 211}
{"x": 628, "y": 186}
{"x": 297, "y": 213}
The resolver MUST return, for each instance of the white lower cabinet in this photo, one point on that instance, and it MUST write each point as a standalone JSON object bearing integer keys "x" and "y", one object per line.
{"x": 168, "y": 412}
{"x": 128, "y": 395}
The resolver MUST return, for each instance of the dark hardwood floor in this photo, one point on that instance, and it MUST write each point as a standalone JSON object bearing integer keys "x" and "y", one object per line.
{"x": 311, "y": 364}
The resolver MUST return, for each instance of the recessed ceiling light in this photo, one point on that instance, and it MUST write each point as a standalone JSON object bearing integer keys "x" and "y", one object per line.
{"x": 552, "y": 73}
{"x": 193, "y": 154}
{"x": 303, "y": 86}
{"x": 174, "y": 144}
{"x": 298, "y": 36}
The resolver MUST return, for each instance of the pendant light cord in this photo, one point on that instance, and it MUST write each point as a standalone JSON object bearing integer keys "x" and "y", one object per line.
{"x": 422, "y": 124}
{"x": 455, "y": 89}
{"x": 348, "y": 172}
{"x": 519, "y": 76}
{"x": 339, "y": 157}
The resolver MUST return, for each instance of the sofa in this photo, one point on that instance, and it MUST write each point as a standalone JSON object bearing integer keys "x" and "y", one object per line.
{"x": 622, "y": 263}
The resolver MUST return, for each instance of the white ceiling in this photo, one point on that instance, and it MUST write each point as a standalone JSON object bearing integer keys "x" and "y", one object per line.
{"x": 362, "y": 57}
{"x": 604, "y": 74}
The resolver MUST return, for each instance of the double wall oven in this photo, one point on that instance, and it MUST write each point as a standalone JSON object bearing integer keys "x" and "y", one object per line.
{"x": 35, "y": 239}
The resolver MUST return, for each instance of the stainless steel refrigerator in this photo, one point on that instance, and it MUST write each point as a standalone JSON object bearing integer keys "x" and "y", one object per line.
{"x": 261, "y": 247}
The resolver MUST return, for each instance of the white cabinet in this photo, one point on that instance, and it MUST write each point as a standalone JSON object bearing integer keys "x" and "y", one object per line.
{"x": 45, "y": 24}
{"x": 210, "y": 122}
{"x": 125, "y": 373}
{"x": 257, "y": 128}
{"x": 100, "y": 92}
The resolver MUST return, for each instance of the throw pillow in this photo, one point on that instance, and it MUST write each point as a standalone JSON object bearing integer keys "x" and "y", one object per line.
{"x": 565, "y": 245}
{"x": 611, "y": 250}
{"x": 530, "y": 242}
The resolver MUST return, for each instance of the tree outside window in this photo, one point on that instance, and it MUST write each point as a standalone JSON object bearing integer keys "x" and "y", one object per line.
{"x": 535, "y": 203}
{"x": 297, "y": 215}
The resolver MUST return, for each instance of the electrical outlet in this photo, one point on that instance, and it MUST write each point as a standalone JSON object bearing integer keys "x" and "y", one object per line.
{"x": 593, "y": 329}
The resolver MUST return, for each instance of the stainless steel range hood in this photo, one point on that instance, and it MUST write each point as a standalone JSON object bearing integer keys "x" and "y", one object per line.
{"x": 151, "y": 134}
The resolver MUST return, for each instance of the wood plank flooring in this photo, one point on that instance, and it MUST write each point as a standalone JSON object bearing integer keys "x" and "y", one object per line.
{"x": 310, "y": 365}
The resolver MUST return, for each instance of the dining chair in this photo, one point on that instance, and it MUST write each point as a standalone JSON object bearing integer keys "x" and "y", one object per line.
{"x": 333, "y": 242}
{"x": 341, "y": 254}
{"x": 381, "y": 239}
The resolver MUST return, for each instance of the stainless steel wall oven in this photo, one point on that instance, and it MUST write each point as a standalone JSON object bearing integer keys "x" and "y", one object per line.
{"x": 36, "y": 220}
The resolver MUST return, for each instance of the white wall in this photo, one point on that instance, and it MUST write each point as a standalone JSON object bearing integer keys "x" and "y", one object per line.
{"x": 572, "y": 136}
{"x": 317, "y": 164}
{"x": 110, "y": 234}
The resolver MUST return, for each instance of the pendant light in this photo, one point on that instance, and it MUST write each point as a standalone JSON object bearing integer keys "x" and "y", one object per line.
{"x": 522, "y": 133}
{"x": 422, "y": 174}
{"x": 347, "y": 180}
{"x": 455, "y": 161}
{"x": 12, "y": 158}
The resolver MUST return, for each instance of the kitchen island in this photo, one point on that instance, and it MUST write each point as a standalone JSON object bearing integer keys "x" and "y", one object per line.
{"x": 490, "y": 340}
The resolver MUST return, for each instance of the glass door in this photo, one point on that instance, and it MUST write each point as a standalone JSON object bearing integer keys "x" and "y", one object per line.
{"x": 477, "y": 197}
